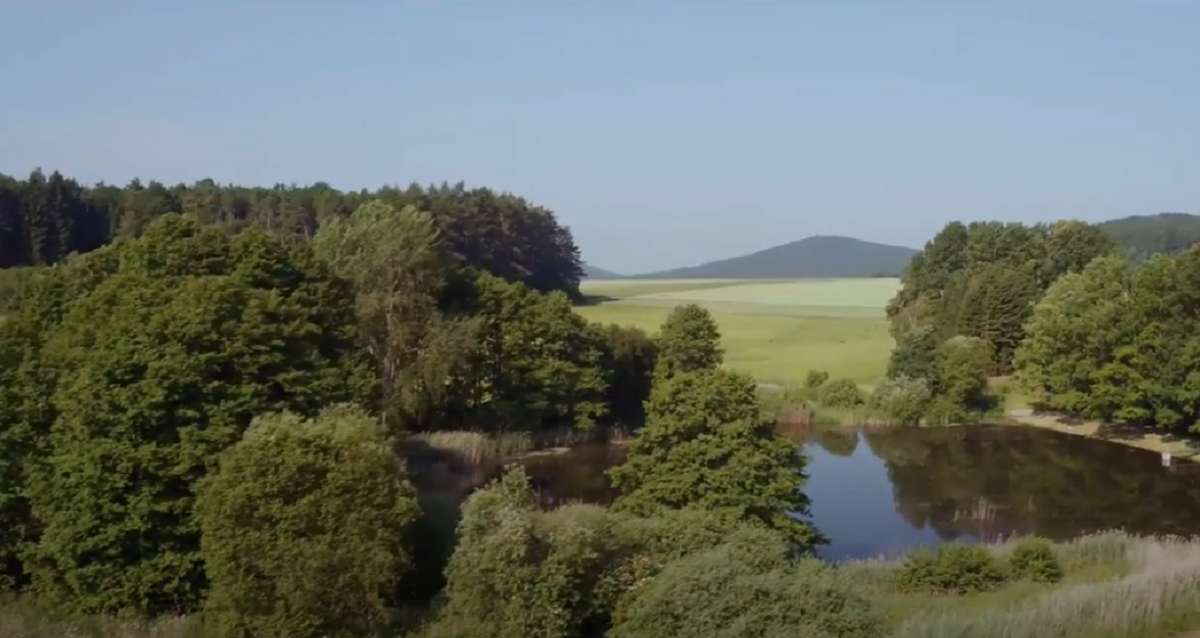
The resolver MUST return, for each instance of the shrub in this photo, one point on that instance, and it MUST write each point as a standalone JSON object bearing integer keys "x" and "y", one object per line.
{"x": 842, "y": 394}
{"x": 1034, "y": 559}
{"x": 902, "y": 400}
{"x": 303, "y": 527}
{"x": 816, "y": 379}
{"x": 955, "y": 568}
{"x": 745, "y": 588}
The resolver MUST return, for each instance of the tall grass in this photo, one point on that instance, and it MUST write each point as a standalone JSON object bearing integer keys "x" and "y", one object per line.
{"x": 1158, "y": 596}
{"x": 21, "y": 619}
{"x": 480, "y": 448}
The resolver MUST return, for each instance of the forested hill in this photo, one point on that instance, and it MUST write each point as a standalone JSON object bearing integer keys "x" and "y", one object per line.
{"x": 817, "y": 256}
{"x": 44, "y": 218}
{"x": 592, "y": 272}
{"x": 1145, "y": 235}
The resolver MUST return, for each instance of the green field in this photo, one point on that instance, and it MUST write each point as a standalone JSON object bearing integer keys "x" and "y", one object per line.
{"x": 775, "y": 330}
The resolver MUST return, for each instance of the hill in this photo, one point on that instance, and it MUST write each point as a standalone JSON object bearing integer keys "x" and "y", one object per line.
{"x": 817, "y": 256}
{"x": 592, "y": 272}
{"x": 1146, "y": 235}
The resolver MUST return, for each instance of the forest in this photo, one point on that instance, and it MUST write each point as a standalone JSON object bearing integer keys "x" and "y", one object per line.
{"x": 1090, "y": 326}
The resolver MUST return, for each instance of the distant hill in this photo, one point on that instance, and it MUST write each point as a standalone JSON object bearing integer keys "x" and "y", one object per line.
{"x": 817, "y": 256}
{"x": 1146, "y": 235}
{"x": 592, "y": 272}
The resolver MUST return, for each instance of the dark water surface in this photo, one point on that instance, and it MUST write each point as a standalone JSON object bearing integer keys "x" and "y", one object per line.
{"x": 883, "y": 491}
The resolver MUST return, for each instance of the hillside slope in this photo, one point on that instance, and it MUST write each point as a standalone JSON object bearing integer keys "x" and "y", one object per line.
{"x": 592, "y": 272}
{"x": 1146, "y": 235}
{"x": 817, "y": 256}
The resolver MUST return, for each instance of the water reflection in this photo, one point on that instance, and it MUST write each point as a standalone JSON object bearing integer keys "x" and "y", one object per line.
{"x": 883, "y": 491}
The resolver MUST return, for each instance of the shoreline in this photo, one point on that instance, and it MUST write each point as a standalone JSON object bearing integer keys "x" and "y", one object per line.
{"x": 1182, "y": 449}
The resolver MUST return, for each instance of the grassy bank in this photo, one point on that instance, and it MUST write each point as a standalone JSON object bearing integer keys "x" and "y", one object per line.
{"x": 1113, "y": 585}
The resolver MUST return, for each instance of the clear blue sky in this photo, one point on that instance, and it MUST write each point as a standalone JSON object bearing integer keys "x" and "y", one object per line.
{"x": 664, "y": 133}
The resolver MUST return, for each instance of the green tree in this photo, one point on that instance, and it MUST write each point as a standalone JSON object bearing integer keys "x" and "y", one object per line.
{"x": 689, "y": 341}
{"x": 706, "y": 446}
{"x": 302, "y": 527}
{"x": 158, "y": 369}
{"x": 962, "y": 382}
{"x": 535, "y": 361}
{"x": 519, "y": 573}
{"x": 394, "y": 261}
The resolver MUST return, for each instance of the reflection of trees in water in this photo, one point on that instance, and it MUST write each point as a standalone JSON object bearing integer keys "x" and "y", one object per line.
{"x": 996, "y": 481}
{"x": 838, "y": 441}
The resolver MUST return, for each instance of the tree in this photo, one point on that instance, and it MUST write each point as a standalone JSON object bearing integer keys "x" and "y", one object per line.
{"x": 157, "y": 370}
{"x": 630, "y": 356}
{"x": 962, "y": 379}
{"x": 535, "y": 362}
{"x": 302, "y": 527}
{"x": 394, "y": 261}
{"x": 705, "y": 445}
{"x": 519, "y": 573}
{"x": 689, "y": 341}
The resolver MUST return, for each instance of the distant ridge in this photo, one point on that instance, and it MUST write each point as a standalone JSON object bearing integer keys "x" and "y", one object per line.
{"x": 592, "y": 272}
{"x": 816, "y": 256}
{"x": 1146, "y": 235}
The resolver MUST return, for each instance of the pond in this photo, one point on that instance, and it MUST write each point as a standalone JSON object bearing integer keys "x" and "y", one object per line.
{"x": 886, "y": 490}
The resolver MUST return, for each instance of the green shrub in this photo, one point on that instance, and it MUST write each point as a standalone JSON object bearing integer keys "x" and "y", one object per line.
{"x": 1034, "y": 559}
{"x": 902, "y": 400}
{"x": 955, "y": 568}
{"x": 303, "y": 528}
{"x": 816, "y": 379}
{"x": 842, "y": 394}
{"x": 746, "y": 588}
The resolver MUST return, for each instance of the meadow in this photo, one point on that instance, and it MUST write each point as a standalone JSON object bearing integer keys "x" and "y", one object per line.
{"x": 774, "y": 330}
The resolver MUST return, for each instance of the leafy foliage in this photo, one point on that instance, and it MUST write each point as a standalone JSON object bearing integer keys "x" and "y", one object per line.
{"x": 154, "y": 372}
{"x": 955, "y": 568}
{"x": 1033, "y": 558}
{"x": 303, "y": 527}
{"x": 689, "y": 341}
{"x": 901, "y": 400}
{"x": 706, "y": 445}
{"x": 841, "y": 394}
{"x": 1117, "y": 342}
{"x": 980, "y": 280}
{"x": 747, "y": 587}
{"x": 815, "y": 379}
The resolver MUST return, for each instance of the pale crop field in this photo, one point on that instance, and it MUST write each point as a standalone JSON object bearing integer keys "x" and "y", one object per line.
{"x": 775, "y": 330}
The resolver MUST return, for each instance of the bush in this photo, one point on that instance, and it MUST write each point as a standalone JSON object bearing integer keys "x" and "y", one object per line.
{"x": 1034, "y": 559}
{"x": 746, "y": 588}
{"x": 902, "y": 400}
{"x": 841, "y": 394}
{"x": 953, "y": 568}
{"x": 303, "y": 528}
{"x": 816, "y": 379}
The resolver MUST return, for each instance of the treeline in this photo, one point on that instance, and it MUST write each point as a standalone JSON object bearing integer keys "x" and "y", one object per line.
{"x": 1090, "y": 325}
{"x": 45, "y": 218}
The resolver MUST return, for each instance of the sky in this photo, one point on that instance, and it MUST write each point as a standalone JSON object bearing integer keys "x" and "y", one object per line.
{"x": 664, "y": 133}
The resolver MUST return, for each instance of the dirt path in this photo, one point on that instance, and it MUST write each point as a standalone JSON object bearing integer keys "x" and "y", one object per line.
{"x": 1179, "y": 448}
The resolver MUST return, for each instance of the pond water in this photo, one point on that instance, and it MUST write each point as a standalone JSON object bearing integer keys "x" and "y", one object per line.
{"x": 883, "y": 491}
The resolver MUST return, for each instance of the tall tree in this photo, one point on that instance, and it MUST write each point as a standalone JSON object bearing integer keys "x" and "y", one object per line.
{"x": 707, "y": 446}
{"x": 689, "y": 341}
